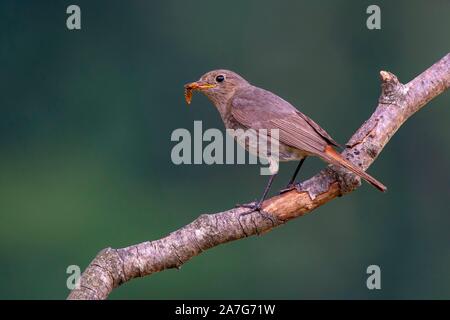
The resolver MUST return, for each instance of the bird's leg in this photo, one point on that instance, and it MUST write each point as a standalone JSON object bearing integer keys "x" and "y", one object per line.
{"x": 257, "y": 205}
{"x": 292, "y": 181}
{"x": 292, "y": 185}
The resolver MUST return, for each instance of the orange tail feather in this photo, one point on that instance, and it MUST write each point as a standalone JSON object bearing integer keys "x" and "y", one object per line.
{"x": 334, "y": 157}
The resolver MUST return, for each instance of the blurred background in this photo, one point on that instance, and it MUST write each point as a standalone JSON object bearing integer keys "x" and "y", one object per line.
{"x": 85, "y": 124}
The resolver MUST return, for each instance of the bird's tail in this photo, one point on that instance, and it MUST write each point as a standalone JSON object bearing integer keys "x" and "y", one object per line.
{"x": 334, "y": 157}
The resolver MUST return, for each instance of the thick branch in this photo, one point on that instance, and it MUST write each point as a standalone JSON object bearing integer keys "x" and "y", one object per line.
{"x": 397, "y": 103}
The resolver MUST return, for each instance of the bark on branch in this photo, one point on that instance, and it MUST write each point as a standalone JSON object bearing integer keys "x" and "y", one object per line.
{"x": 396, "y": 104}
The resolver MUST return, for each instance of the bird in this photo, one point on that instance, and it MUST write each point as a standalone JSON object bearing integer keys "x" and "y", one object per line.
{"x": 242, "y": 105}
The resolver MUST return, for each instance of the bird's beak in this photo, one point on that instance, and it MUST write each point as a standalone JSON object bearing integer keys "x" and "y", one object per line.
{"x": 198, "y": 85}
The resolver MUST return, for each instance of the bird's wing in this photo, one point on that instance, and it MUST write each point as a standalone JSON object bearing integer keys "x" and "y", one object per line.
{"x": 260, "y": 109}
{"x": 319, "y": 130}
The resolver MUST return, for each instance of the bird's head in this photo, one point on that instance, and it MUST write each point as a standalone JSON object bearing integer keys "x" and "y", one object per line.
{"x": 218, "y": 85}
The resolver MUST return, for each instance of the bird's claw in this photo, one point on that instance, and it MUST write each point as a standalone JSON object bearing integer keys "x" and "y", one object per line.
{"x": 256, "y": 206}
{"x": 297, "y": 186}
{"x": 250, "y": 205}
{"x": 246, "y": 205}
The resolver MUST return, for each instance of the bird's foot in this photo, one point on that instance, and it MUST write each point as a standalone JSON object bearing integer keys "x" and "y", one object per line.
{"x": 297, "y": 186}
{"x": 256, "y": 206}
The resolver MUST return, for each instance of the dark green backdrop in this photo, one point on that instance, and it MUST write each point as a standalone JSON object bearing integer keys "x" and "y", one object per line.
{"x": 85, "y": 124}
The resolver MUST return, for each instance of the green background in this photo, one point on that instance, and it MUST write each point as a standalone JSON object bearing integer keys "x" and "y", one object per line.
{"x": 85, "y": 124}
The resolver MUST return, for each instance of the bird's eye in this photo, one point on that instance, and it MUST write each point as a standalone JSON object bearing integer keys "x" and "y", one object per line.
{"x": 220, "y": 78}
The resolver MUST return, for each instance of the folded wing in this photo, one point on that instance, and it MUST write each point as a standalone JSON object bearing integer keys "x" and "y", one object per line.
{"x": 260, "y": 109}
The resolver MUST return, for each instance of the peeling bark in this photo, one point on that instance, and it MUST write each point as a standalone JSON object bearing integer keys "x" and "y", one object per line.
{"x": 397, "y": 102}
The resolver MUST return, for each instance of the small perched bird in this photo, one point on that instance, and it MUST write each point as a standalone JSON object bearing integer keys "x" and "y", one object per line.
{"x": 244, "y": 106}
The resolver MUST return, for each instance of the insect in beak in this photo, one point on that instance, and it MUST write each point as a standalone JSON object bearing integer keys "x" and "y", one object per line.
{"x": 198, "y": 85}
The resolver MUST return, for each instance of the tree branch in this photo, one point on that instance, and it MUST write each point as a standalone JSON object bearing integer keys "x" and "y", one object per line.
{"x": 396, "y": 104}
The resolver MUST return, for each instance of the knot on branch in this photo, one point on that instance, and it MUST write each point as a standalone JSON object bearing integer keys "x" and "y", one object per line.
{"x": 347, "y": 180}
{"x": 392, "y": 91}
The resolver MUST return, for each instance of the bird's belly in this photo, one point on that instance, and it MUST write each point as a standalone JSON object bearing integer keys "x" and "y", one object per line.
{"x": 288, "y": 153}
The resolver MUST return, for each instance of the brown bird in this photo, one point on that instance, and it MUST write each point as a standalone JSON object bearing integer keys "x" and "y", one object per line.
{"x": 244, "y": 106}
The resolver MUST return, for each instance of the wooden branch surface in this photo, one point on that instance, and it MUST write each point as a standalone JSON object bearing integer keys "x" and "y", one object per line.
{"x": 397, "y": 102}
